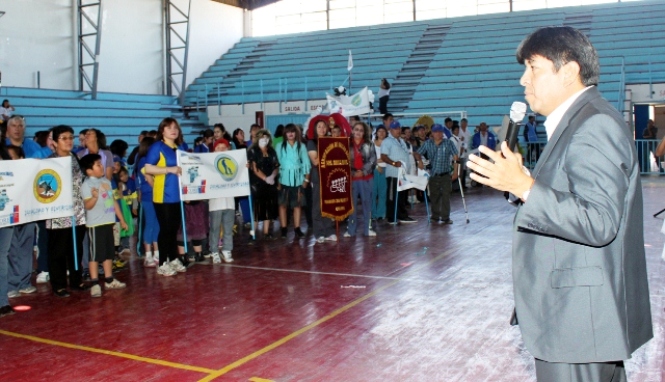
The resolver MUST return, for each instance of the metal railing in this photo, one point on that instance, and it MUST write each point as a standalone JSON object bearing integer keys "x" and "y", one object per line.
{"x": 645, "y": 148}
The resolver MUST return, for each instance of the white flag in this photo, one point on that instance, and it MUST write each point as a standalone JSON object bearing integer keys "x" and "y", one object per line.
{"x": 405, "y": 181}
{"x": 350, "y": 64}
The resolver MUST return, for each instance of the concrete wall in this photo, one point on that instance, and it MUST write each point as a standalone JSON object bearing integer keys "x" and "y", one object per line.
{"x": 40, "y": 35}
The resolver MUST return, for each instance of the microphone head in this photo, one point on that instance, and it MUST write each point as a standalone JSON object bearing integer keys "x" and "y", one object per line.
{"x": 517, "y": 111}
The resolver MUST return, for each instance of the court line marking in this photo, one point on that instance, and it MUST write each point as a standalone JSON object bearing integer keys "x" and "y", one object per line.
{"x": 257, "y": 379}
{"x": 314, "y": 324}
{"x": 108, "y": 352}
{"x": 332, "y": 273}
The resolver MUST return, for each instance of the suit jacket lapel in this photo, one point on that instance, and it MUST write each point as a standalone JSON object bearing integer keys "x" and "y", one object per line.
{"x": 570, "y": 113}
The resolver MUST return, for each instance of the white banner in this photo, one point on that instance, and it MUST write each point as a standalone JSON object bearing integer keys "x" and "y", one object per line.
{"x": 406, "y": 181}
{"x": 357, "y": 104}
{"x": 35, "y": 189}
{"x": 213, "y": 175}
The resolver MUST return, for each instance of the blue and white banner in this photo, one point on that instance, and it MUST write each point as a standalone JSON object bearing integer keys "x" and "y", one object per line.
{"x": 406, "y": 181}
{"x": 213, "y": 175}
{"x": 35, "y": 189}
{"x": 356, "y": 104}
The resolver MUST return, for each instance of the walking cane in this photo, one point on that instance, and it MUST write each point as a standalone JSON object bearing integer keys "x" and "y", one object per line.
{"x": 461, "y": 190}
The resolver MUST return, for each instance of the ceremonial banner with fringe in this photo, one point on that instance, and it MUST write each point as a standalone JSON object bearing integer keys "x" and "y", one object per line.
{"x": 35, "y": 189}
{"x": 335, "y": 175}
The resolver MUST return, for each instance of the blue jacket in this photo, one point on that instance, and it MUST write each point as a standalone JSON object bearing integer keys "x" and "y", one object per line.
{"x": 491, "y": 140}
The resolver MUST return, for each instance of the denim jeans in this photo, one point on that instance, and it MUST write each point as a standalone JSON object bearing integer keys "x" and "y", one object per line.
{"x": 361, "y": 189}
{"x": 20, "y": 256}
{"x": 379, "y": 192}
{"x": 5, "y": 241}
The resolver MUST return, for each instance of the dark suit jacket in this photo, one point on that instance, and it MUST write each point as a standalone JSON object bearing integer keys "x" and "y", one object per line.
{"x": 579, "y": 269}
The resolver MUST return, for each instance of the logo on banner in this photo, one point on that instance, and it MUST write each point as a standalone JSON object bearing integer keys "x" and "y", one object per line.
{"x": 227, "y": 167}
{"x": 357, "y": 100}
{"x": 47, "y": 186}
{"x": 338, "y": 181}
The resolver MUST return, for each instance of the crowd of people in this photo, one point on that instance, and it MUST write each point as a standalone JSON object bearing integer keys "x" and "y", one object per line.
{"x": 123, "y": 200}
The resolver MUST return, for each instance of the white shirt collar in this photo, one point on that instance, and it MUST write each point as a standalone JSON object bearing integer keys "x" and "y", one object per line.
{"x": 554, "y": 118}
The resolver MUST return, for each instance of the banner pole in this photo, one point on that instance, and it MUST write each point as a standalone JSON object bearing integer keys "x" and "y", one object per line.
{"x": 139, "y": 237}
{"x": 426, "y": 203}
{"x": 396, "y": 197}
{"x": 184, "y": 229}
{"x": 251, "y": 215}
{"x": 76, "y": 257}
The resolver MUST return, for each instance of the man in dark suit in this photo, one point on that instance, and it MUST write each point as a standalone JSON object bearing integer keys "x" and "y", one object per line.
{"x": 579, "y": 270}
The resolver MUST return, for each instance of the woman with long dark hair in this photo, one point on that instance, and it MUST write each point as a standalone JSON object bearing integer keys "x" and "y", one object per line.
{"x": 293, "y": 177}
{"x": 162, "y": 164}
{"x": 323, "y": 228}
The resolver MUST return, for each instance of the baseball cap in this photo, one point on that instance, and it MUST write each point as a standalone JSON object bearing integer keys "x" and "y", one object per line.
{"x": 437, "y": 128}
{"x": 395, "y": 125}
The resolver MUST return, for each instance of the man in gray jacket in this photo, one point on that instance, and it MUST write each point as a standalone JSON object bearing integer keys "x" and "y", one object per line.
{"x": 579, "y": 270}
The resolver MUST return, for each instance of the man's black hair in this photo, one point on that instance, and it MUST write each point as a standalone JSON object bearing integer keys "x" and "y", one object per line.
{"x": 562, "y": 45}
{"x": 387, "y": 115}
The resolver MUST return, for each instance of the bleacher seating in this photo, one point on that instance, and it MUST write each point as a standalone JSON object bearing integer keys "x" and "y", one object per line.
{"x": 118, "y": 115}
{"x": 473, "y": 69}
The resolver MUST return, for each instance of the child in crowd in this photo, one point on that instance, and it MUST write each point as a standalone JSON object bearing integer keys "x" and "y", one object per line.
{"x": 101, "y": 212}
{"x": 196, "y": 226}
{"x": 336, "y": 132}
{"x": 222, "y": 213}
{"x": 128, "y": 202}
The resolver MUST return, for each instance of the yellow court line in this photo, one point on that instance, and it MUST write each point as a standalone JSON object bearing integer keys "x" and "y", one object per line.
{"x": 257, "y": 379}
{"x": 108, "y": 352}
{"x": 314, "y": 324}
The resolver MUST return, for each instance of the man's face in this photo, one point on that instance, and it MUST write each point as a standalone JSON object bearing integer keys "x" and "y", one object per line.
{"x": 437, "y": 136}
{"x": 387, "y": 122}
{"x": 544, "y": 89}
{"x": 464, "y": 124}
{"x": 396, "y": 133}
{"x": 15, "y": 130}
{"x": 407, "y": 134}
{"x": 483, "y": 127}
{"x": 82, "y": 140}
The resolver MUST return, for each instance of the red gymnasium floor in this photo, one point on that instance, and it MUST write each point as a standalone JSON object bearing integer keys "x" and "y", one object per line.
{"x": 417, "y": 303}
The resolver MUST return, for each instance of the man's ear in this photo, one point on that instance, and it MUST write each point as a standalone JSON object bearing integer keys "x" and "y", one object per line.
{"x": 571, "y": 72}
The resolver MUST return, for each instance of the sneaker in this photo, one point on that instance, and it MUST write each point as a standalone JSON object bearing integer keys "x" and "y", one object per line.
{"x": 6, "y": 310}
{"x": 43, "y": 277}
{"x": 28, "y": 290}
{"x": 62, "y": 293}
{"x": 150, "y": 262}
{"x": 392, "y": 222}
{"x": 331, "y": 238}
{"x": 347, "y": 234}
{"x": 177, "y": 266}
{"x": 166, "y": 270}
{"x": 227, "y": 256}
{"x": 12, "y": 294}
{"x": 207, "y": 255}
{"x": 216, "y": 259}
{"x": 115, "y": 284}
{"x": 321, "y": 239}
{"x": 447, "y": 221}
{"x": 96, "y": 291}
{"x": 298, "y": 232}
{"x": 119, "y": 263}
{"x": 371, "y": 233}
{"x": 199, "y": 258}
{"x": 407, "y": 220}
{"x": 191, "y": 258}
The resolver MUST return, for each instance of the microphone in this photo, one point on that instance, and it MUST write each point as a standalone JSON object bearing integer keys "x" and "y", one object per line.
{"x": 517, "y": 113}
